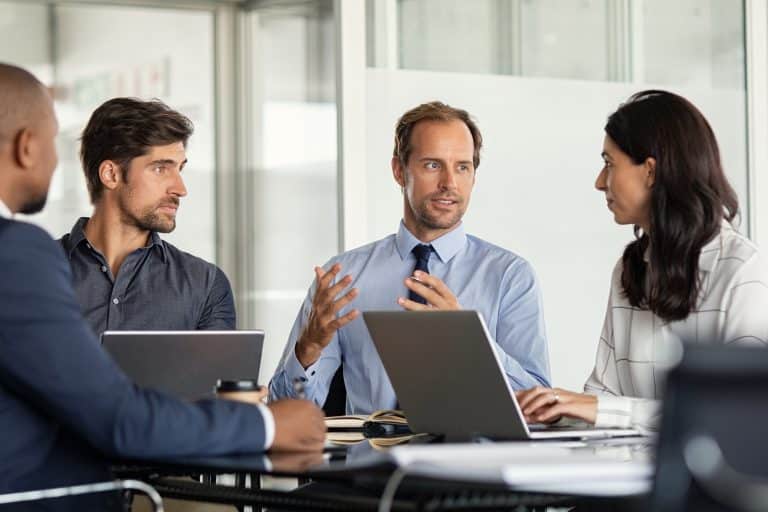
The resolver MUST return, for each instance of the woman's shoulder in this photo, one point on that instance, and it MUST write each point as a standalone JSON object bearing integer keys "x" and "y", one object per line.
{"x": 734, "y": 245}
{"x": 735, "y": 258}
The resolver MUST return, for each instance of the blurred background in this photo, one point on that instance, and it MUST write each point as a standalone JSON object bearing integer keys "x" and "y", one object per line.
{"x": 294, "y": 104}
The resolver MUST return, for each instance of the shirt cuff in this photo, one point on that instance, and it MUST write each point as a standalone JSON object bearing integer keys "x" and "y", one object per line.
{"x": 613, "y": 411}
{"x": 294, "y": 370}
{"x": 269, "y": 426}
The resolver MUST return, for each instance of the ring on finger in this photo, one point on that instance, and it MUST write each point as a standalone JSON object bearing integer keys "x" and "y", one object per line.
{"x": 556, "y": 396}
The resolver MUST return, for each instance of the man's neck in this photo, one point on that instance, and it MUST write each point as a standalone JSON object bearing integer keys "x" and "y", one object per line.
{"x": 115, "y": 240}
{"x": 426, "y": 234}
{"x": 6, "y": 205}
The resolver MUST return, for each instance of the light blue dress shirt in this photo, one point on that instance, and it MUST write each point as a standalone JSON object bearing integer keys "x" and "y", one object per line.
{"x": 484, "y": 277}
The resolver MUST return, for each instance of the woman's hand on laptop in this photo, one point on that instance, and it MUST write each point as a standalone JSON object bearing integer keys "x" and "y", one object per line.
{"x": 548, "y": 405}
{"x": 433, "y": 289}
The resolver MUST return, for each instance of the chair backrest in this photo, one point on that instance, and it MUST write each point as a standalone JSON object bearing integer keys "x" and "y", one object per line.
{"x": 336, "y": 401}
{"x": 24, "y": 498}
{"x": 712, "y": 449}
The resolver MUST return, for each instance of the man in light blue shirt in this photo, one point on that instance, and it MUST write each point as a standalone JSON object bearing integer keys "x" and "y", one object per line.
{"x": 430, "y": 263}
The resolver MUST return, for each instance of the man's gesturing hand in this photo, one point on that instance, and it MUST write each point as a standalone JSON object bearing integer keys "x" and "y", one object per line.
{"x": 433, "y": 289}
{"x": 323, "y": 321}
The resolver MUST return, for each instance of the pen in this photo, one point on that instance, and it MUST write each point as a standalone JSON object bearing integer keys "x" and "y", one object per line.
{"x": 298, "y": 389}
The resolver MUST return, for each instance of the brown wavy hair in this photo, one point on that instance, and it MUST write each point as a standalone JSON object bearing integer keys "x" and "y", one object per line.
{"x": 689, "y": 200}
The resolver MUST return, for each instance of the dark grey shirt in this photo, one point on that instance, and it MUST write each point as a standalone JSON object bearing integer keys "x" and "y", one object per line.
{"x": 158, "y": 287}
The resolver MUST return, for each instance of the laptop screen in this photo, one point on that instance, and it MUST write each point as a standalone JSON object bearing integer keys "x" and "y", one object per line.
{"x": 185, "y": 364}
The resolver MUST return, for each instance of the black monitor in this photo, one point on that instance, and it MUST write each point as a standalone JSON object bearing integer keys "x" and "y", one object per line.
{"x": 713, "y": 445}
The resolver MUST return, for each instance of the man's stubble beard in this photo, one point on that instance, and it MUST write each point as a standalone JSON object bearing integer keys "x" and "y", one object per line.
{"x": 35, "y": 206}
{"x": 423, "y": 217}
{"x": 150, "y": 221}
{"x": 147, "y": 220}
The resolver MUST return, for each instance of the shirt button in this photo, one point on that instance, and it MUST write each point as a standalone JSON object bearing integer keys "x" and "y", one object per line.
{"x": 115, "y": 301}
{"x": 103, "y": 268}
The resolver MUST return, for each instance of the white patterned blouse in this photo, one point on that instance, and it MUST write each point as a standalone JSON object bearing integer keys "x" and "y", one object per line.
{"x": 632, "y": 355}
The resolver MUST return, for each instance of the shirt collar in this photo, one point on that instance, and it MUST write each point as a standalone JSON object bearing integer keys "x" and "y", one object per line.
{"x": 5, "y": 211}
{"x": 77, "y": 236}
{"x": 710, "y": 253}
{"x": 445, "y": 246}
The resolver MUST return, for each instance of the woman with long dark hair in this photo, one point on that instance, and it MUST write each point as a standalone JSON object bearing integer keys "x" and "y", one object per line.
{"x": 688, "y": 275}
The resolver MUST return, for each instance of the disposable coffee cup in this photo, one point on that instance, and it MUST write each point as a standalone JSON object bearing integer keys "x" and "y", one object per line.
{"x": 244, "y": 390}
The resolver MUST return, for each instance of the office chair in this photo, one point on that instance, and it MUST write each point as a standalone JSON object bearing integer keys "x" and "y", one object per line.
{"x": 79, "y": 490}
{"x": 712, "y": 448}
{"x": 336, "y": 400}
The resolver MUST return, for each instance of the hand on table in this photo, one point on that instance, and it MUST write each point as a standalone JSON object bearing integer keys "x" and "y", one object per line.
{"x": 547, "y": 405}
{"x": 299, "y": 426}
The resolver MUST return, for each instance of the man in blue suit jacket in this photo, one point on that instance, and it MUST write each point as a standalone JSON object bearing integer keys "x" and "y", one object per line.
{"x": 65, "y": 407}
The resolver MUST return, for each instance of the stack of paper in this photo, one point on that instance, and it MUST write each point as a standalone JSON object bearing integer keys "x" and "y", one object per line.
{"x": 528, "y": 467}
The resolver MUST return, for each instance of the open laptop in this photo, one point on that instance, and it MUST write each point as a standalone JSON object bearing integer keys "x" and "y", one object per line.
{"x": 185, "y": 364}
{"x": 449, "y": 380}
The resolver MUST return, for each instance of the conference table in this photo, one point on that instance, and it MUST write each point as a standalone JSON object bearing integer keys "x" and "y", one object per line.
{"x": 423, "y": 475}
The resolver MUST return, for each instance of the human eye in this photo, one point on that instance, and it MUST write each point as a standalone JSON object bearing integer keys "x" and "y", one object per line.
{"x": 159, "y": 169}
{"x": 464, "y": 168}
{"x": 431, "y": 164}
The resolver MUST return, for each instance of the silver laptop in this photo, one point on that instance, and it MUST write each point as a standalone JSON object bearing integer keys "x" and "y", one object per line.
{"x": 449, "y": 380}
{"x": 185, "y": 364}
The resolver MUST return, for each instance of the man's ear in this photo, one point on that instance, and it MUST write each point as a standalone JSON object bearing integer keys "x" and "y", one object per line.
{"x": 398, "y": 172}
{"x": 650, "y": 167}
{"x": 109, "y": 174}
{"x": 24, "y": 148}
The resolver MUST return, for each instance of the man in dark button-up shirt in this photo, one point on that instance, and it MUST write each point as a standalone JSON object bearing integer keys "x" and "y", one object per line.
{"x": 158, "y": 287}
{"x": 125, "y": 276}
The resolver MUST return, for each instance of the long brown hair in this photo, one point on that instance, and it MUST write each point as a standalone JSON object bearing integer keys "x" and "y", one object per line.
{"x": 690, "y": 198}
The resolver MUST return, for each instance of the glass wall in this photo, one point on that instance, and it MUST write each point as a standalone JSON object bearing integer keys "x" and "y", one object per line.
{"x": 293, "y": 189}
{"x": 125, "y": 51}
{"x": 289, "y": 112}
{"x": 540, "y": 77}
{"x": 692, "y": 42}
{"x": 564, "y": 39}
{"x": 679, "y": 43}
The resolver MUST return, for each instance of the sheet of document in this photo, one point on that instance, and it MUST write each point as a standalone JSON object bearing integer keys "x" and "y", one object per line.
{"x": 576, "y": 468}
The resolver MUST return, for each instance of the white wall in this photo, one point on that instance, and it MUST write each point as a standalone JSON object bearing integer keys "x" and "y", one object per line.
{"x": 535, "y": 186}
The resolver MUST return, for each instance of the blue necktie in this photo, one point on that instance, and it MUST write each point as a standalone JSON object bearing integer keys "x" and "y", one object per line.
{"x": 422, "y": 253}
